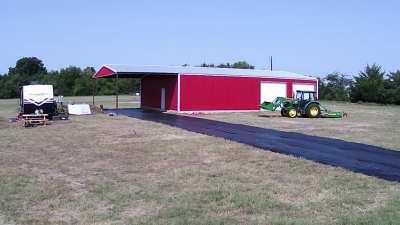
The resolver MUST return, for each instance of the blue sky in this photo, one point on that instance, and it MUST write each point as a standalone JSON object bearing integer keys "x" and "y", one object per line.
{"x": 310, "y": 37}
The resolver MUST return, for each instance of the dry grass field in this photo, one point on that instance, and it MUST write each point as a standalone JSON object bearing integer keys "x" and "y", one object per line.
{"x": 366, "y": 123}
{"x": 118, "y": 170}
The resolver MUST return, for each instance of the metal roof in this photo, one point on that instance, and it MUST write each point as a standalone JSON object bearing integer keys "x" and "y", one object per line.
{"x": 156, "y": 69}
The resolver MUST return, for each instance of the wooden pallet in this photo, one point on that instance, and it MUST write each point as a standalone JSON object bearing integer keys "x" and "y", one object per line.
{"x": 34, "y": 119}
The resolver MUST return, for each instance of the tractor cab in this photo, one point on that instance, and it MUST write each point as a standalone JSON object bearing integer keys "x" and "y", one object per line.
{"x": 305, "y": 97}
{"x": 307, "y": 104}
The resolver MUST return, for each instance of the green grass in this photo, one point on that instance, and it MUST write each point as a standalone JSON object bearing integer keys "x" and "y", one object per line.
{"x": 387, "y": 215}
{"x": 8, "y": 108}
{"x": 19, "y": 193}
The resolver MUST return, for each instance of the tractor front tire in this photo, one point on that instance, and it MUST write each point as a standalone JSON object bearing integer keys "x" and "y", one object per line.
{"x": 292, "y": 113}
{"x": 313, "y": 111}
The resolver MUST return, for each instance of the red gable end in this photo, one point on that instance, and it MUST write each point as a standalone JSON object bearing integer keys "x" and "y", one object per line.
{"x": 104, "y": 72}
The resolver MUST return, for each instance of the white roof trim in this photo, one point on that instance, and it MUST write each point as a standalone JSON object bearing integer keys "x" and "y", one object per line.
{"x": 157, "y": 69}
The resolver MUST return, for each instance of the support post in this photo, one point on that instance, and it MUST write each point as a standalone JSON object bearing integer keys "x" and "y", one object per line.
{"x": 116, "y": 91}
{"x": 94, "y": 91}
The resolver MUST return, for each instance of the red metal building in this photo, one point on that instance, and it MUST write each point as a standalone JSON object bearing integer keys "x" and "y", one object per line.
{"x": 195, "y": 89}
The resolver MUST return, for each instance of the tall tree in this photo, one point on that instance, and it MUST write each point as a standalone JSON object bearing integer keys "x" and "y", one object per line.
{"x": 83, "y": 83}
{"x": 28, "y": 66}
{"x": 26, "y": 71}
{"x": 369, "y": 85}
{"x": 335, "y": 86}
{"x": 394, "y": 79}
{"x": 392, "y": 85}
{"x": 66, "y": 80}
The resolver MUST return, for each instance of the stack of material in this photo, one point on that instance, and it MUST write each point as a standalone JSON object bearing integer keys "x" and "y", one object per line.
{"x": 79, "y": 109}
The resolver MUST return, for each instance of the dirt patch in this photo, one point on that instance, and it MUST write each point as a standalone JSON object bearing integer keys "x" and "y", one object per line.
{"x": 141, "y": 209}
{"x": 4, "y": 123}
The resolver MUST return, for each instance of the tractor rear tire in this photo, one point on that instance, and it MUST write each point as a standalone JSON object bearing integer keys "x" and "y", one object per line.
{"x": 283, "y": 113}
{"x": 313, "y": 111}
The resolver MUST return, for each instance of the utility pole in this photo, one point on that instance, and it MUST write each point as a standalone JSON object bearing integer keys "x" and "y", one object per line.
{"x": 270, "y": 63}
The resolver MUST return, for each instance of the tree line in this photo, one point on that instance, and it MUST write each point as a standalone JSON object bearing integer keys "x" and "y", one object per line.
{"x": 69, "y": 81}
{"x": 72, "y": 80}
{"x": 372, "y": 84}
{"x": 236, "y": 65}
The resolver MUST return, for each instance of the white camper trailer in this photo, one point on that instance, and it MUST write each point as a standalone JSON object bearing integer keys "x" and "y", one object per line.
{"x": 37, "y": 98}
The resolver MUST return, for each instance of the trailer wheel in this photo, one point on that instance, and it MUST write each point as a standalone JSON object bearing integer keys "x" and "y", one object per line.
{"x": 292, "y": 113}
{"x": 313, "y": 111}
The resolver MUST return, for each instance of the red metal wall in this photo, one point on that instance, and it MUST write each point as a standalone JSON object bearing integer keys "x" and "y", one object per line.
{"x": 151, "y": 91}
{"x": 200, "y": 92}
{"x": 218, "y": 93}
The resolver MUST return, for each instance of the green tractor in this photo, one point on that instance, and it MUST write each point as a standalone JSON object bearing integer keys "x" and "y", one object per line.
{"x": 304, "y": 104}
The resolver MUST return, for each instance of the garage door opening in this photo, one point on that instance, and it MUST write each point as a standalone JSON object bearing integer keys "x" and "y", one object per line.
{"x": 270, "y": 91}
{"x": 303, "y": 87}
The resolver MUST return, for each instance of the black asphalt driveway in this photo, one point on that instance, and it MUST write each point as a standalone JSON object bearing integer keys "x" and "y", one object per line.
{"x": 361, "y": 158}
